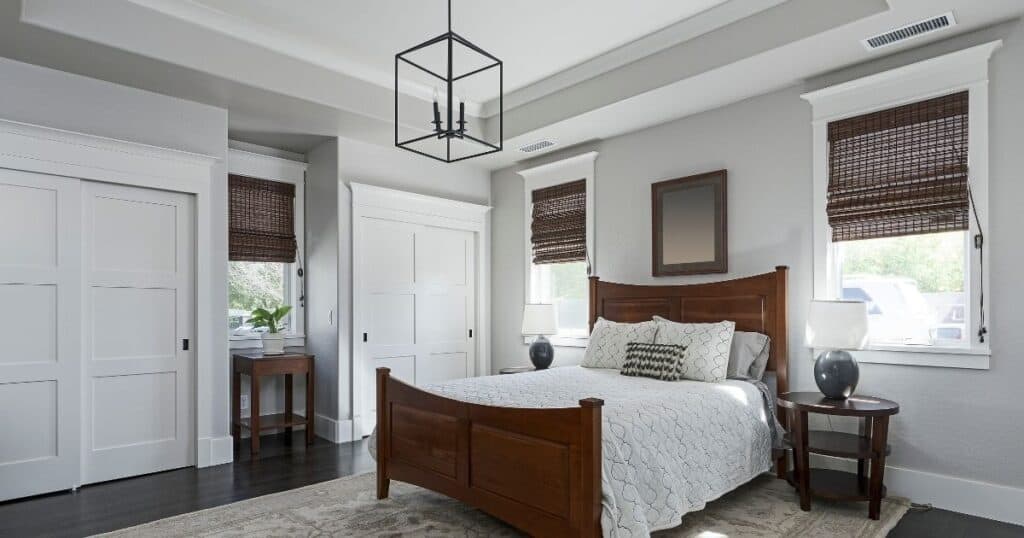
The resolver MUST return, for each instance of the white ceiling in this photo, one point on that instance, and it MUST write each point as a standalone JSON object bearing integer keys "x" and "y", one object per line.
{"x": 585, "y": 69}
{"x": 535, "y": 38}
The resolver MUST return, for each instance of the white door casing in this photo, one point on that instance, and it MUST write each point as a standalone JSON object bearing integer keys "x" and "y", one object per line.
{"x": 411, "y": 312}
{"x": 138, "y": 310}
{"x": 39, "y": 314}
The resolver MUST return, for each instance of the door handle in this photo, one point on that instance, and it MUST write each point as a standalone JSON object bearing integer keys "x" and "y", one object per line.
{"x": 184, "y": 344}
{"x": 364, "y": 337}
{"x": 471, "y": 333}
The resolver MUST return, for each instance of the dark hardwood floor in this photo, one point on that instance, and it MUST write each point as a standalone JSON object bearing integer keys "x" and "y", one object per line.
{"x": 283, "y": 465}
{"x": 122, "y": 503}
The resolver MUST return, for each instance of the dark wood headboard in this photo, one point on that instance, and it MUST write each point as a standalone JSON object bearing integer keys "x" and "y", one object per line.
{"x": 755, "y": 303}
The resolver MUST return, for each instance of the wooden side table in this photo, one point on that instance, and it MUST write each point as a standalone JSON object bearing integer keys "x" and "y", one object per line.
{"x": 869, "y": 446}
{"x": 256, "y": 365}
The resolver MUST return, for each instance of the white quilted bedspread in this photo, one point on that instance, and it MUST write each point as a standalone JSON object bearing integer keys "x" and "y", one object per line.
{"x": 668, "y": 447}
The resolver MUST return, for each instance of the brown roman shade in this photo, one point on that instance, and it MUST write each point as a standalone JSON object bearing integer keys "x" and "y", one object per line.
{"x": 901, "y": 171}
{"x": 559, "y": 228}
{"x": 261, "y": 217}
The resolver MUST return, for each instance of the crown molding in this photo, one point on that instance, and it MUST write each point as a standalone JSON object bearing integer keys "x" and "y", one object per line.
{"x": 948, "y": 72}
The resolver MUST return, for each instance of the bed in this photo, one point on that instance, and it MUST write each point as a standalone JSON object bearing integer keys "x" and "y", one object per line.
{"x": 537, "y": 452}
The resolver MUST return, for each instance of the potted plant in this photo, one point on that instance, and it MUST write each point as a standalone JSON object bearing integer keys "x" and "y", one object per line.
{"x": 273, "y": 340}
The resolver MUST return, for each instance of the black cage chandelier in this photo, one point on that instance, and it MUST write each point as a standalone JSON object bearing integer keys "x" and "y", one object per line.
{"x": 456, "y": 68}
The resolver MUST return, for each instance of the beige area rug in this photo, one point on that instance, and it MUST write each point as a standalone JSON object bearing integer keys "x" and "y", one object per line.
{"x": 766, "y": 507}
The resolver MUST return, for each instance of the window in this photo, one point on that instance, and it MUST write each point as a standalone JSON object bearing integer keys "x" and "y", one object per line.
{"x": 263, "y": 271}
{"x": 559, "y": 237}
{"x": 565, "y": 286}
{"x": 254, "y": 285}
{"x": 901, "y": 207}
{"x": 916, "y": 287}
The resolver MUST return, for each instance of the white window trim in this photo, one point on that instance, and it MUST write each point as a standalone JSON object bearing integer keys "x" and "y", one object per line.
{"x": 962, "y": 70}
{"x": 257, "y": 165}
{"x": 547, "y": 175}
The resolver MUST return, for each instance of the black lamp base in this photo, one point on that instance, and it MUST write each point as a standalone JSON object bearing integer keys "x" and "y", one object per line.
{"x": 836, "y": 373}
{"x": 542, "y": 353}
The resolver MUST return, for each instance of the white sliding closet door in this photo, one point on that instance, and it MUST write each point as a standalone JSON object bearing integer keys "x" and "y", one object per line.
{"x": 39, "y": 312}
{"x": 417, "y": 304}
{"x": 138, "y": 403}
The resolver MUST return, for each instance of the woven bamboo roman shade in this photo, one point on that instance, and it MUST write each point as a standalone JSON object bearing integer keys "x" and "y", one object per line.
{"x": 559, "y": 228}
{"x": 901, "y": 171}
{"x": 261, "y": 217}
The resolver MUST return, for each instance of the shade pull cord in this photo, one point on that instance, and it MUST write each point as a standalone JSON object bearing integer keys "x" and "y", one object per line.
{"x": 302, "y": 281}
{"x": 979, "y": 244}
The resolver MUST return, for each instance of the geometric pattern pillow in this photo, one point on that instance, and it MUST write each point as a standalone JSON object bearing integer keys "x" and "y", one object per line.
{"x": 607, "y": 346}
{"x": 707, "y": 347}
{"x": 656, "y": 361}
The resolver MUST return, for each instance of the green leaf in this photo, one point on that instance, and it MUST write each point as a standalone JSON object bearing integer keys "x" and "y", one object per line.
{"x": 281, "y": 312}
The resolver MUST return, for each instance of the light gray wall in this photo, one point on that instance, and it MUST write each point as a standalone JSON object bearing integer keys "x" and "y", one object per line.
{"x": 42, "y": 96}
{"x": 961, "y": 423}
{"x": 321, "y": 273}
{"x": 332, "y": 166}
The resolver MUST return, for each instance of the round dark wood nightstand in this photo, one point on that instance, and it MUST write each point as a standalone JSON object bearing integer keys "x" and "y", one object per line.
{"x": 869, "y": 446}
{"x": 516, "y": 369}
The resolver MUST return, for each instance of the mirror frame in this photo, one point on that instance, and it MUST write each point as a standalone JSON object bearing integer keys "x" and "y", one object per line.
{"x": 720, "y": 264}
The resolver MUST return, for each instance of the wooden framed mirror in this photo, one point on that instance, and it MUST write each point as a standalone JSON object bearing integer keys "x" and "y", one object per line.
{"x": 689, "y": 226}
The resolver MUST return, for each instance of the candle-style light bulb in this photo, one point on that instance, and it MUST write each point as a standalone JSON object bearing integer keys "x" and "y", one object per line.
{"x": 462, "y": 116}
{"x": 437, "y": 113}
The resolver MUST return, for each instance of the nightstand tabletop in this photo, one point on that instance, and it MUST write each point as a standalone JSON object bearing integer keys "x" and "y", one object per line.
{"x": 855, "y": 406}
{"x": 516, "y": 369}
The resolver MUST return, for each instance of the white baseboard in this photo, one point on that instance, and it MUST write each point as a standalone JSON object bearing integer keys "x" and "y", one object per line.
{"x": 335, "y": 431}
{"x": 982, "y": 499}
{"x": 215, "y": 451}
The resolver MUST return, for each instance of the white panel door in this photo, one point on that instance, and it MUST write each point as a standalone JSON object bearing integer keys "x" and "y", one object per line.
{"x": 416, "y": 303}
{"x": 138, "y": 307}
{"x": 445, "y": 304}
{"x": 40, "y": 308}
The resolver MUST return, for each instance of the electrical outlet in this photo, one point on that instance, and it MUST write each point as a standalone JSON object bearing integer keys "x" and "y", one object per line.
{"x": 245, "y": 402}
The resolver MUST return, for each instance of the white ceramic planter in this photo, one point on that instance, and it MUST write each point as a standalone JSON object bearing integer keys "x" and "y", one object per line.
{"x": 273, "y": 343}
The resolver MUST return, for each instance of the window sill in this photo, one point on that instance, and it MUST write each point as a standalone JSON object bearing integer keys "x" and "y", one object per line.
{"x": 940, "y": 357}
{"x": 563, "y": 341}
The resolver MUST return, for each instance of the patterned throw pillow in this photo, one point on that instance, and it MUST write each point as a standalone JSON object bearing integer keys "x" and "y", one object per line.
{"x": 707, "y": 347}
{"x": 657, "y": 361}
{"x": 607, "y": 347}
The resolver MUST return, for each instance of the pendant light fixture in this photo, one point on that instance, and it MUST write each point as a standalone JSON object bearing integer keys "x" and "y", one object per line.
{"x": 456, "y": 69}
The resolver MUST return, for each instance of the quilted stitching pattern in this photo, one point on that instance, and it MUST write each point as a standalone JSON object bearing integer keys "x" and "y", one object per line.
{"x": 607, "y": 347}
{"x": 707, "y": 347}
{"x": 655, "y": 361}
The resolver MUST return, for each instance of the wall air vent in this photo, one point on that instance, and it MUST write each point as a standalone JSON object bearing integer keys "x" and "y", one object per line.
{"x": 536, "y": 146}
{"x": 910, "y": 31}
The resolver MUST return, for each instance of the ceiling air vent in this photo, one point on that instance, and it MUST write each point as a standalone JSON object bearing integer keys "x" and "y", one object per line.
{"x": 910, "y": 31}
{"x": 536, "y": 146}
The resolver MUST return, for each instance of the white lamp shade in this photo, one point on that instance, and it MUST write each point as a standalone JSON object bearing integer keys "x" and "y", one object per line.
{"x": 837, "y": 324}
{"x": 539, "y": 319}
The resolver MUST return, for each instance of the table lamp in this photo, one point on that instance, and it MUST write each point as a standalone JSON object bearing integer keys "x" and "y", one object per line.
{"x": 539, "y": 320}
{"x": 834, "y": 327}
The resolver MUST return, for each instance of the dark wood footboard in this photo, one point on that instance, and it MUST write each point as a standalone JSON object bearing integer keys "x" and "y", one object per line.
{"x": 536, "y": 469}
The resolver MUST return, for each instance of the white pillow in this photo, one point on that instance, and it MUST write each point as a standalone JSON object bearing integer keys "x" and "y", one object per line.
{"x": 607, "y": 346}
{"x": 707, "y": 346}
